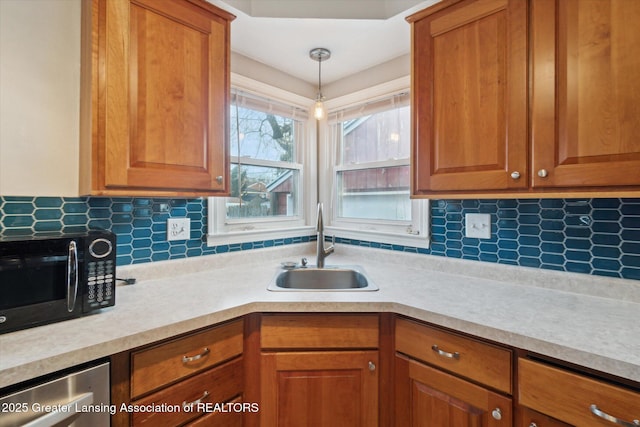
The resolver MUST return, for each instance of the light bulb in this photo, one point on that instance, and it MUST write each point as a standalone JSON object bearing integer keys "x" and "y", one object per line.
{"x": 318, "y": 111}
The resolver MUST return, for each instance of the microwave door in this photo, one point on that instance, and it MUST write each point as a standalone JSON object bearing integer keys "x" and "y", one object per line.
{"x": 38, "y": 287}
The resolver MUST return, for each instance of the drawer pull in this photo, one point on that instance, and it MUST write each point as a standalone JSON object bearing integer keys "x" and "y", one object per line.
{"x": 188, "y": 359}
{"x": 597, "y": 412}
{"x": 533, "y": 424}
{"x": 195, "y": 402}
{"x": 446, "y": 354}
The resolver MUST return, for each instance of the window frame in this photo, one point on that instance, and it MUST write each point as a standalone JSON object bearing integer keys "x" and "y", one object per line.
{"x": 414, "y": 233}
{"x": 242, "y": 230}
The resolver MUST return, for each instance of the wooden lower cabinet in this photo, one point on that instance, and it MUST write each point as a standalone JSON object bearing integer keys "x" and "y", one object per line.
{"x": 428, "y": 397}
{"x": 320, "y": 370}
{"x": 193, "y": 378}
{"x": 319, "y": 389}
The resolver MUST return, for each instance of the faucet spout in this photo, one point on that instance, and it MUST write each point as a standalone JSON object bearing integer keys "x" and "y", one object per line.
{"x": 322, "y": 252}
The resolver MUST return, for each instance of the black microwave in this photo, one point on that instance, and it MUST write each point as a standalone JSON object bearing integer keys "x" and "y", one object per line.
{"x": 46, "y": 279}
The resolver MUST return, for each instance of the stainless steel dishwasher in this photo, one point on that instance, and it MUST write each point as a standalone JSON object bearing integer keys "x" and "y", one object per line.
{"x": 78, "y": 399}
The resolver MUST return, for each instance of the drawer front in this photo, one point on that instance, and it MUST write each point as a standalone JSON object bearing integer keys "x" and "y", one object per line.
{"x": 569, "y": 397}
{"x": 215, "y": 386}
{"x": 166, "y": 363}
{"x": 319, "y": 331}
{"x": 529, "y": 418}
{"x": 227, "y": 418}
{"x": 485, "y": 363}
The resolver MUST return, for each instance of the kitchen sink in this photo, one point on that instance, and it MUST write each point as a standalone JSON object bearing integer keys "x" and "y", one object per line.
{"x": 329, "y": 278}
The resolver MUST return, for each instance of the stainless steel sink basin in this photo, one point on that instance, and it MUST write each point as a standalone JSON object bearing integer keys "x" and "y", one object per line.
{"x": 330, "y": 278}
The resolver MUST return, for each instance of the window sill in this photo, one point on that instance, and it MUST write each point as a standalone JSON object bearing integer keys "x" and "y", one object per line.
{"x": 382, "y": 237}
{"x": 258, "y": 235}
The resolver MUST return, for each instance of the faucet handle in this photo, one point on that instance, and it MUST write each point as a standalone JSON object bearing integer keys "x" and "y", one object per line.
{"x": 304, "y": 262}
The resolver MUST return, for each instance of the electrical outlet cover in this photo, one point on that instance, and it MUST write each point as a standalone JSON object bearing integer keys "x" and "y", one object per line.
{"x": 478, "y": 225}
{"x": 178, "y": 228}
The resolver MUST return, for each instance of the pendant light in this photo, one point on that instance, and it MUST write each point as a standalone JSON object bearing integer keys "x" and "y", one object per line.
{"x": 319, "y": 54}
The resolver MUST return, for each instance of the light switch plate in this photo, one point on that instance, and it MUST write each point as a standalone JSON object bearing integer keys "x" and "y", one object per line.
{"x": 478, "y": 225}
{"x": 178, "y": 228}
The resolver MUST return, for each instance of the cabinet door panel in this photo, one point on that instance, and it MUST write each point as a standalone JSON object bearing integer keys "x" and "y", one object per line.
{"x": 469, "y": 80}
{"x": 586, "y": 59}
{"x": 428, "y": 397}
{"x": 164, "y": 90}
{"x": 316, "y": 389}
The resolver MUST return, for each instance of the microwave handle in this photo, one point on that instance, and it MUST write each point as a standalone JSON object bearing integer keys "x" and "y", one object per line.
{"x": 72, "y": 276}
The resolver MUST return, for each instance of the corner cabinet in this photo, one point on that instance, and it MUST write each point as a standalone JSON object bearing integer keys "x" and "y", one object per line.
{"x": 525, "y": 98}
{"x": 446, "y": 379}
{"x": 319, "y": 370}
{"x": 155, "y": 110}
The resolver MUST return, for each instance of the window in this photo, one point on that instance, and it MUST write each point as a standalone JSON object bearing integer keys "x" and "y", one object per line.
{"x": 264, "y": 173}
{"x": 371, "y": 174}
{"x": 268, "y": 137}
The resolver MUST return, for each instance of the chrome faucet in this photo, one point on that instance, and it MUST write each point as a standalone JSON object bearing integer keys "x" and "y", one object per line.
{"x": 322, "y": 251}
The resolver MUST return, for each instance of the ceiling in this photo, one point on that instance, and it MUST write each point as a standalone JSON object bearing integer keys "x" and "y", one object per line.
{"x": 359, "y": 33}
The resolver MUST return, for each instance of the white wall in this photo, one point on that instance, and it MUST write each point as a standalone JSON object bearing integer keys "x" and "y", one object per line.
{"x": 39, "y": 97}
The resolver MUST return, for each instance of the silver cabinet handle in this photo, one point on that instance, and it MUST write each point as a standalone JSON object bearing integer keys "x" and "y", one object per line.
{"x": 446, "y": 354}
{"x": 515, "y": 174}
{"x": 599, "y": 413}
{"x": 533, "y": 424}
{"x": 372, "y": 366}
{"x": 496, "y": 414}
{"x": 186, "y": 404}
{"x": 219, "y": 179}
{"x": 542, "y": 173}
{"x": 188, "y": 359}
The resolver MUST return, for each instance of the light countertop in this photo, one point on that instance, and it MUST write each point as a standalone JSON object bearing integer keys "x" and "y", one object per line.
{"x": 586, "y": 320}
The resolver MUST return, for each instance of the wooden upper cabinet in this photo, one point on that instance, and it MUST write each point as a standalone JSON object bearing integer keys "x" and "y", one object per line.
{"x": 160, "y": 95}
{"x": 526, "y": 98}
{"x": 585, "y": 109}
{"x": 469, "y": 82}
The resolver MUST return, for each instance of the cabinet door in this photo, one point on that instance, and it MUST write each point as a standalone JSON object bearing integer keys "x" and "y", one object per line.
{"x": 427, "y": 397}
{"x": 586, "y": 96}
{"x": 164, "y": 82}
{"x": 469, "y": 81}
{"x": 319, "y": 389}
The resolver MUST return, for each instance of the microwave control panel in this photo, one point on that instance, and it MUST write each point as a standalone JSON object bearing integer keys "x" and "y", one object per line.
{"x": 101, "y": 274}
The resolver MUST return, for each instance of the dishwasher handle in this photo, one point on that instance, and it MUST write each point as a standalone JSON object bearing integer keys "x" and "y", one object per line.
{"x": 53, "y": 418}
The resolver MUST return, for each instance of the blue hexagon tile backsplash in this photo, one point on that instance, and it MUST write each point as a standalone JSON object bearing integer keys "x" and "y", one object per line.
{"x": 591, "y": 236}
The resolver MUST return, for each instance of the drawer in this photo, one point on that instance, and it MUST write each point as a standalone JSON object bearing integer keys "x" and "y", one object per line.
{"x": 529, "y": 418}
{"x": 217, "y": 385}
{"x": 229, "y": 418}
{"x": 166, "y": 363}
{"x": 569, "y": 397}
{"x": 319, "y": 331}
{"x": 482, "y": 362}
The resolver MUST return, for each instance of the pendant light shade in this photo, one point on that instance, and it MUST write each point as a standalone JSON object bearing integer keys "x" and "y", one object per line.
{"x": 319, "y": 54}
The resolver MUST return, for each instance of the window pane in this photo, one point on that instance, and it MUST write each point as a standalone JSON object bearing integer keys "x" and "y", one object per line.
{"x": 258, "y": 191}
{"x": 261, "y": 135}
{"x": 376, "y": 193}
{"x": 378, "y": 137}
